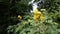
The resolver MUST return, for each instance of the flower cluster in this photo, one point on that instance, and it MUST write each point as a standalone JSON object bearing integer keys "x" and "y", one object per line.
{"x": 37, "y": 14}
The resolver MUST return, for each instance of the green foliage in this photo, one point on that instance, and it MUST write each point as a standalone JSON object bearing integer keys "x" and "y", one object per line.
{"x": 30, "y": 26}
{"x": 50, "y": 24}
{"x": 52, "y": 5}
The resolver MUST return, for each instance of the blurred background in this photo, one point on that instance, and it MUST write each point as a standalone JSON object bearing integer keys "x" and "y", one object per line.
{"x": 16, "y": 17}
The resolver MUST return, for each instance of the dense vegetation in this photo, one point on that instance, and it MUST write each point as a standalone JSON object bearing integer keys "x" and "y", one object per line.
{"x": 15, "y": 17}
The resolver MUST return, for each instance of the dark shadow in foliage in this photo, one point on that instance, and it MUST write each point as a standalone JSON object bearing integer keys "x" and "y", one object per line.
{"x": 5, "y": 15}
{"x": 7, "y": 10}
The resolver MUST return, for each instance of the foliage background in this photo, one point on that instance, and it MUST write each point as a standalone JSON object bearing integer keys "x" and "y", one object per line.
{"x": 10, "y": 9}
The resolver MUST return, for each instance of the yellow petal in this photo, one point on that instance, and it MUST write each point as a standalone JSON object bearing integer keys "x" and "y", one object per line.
{"x": 19, "y": 17}
{"x": 41, "y": 17}
{"x": 35, "y": 17}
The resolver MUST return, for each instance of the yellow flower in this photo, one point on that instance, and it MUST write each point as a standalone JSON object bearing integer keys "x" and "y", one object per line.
{"x": 19, "y": 17}
{"x": 41, "y": 17}
{"x": 37, "y": 14}
{"x": 35, "y": 17}
{"x": 36, "y": 11}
